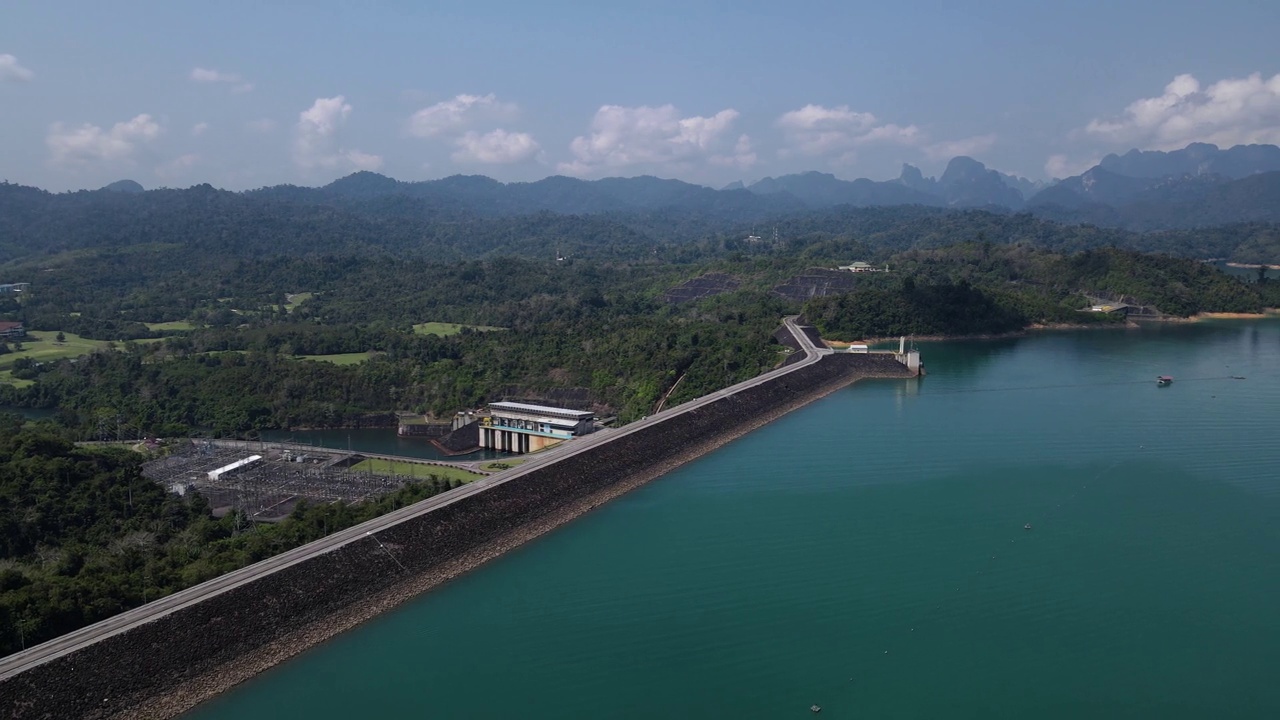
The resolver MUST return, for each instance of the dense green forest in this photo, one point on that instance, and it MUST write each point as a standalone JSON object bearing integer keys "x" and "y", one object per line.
{"x": 982, "y": 288}
{"x": 465, "y": 218}
{"x": 599, "y": 326}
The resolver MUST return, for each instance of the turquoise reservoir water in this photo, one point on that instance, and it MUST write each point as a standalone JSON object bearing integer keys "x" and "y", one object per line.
{"x": 868, "y": 554}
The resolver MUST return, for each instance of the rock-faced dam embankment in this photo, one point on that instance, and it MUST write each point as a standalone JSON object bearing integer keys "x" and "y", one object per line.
{"x": 164, "y": 666}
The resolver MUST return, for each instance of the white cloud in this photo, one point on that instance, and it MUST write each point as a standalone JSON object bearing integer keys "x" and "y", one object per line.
{"x": 654, "y": 136}
{"x": 11, "y": 70}
{"x": 818, "y": 131}
{"x": 89, "y": 143}
{"x": 970, "y": 146}
{"x": 1231, "y": 111}
{"x": 199, "y": 129}
{"x": 742, "y": 157}
{"x": 203, "y": 75}
{"x": 261, "y": 126}
{"x": 177, "y": 167}
{"x": 1063, "y": 166}
{"x": 316, "y": 142}
{"x": 361, "y": 160}
{"x": 498, "y": 147}
{"x": 457, "y": 115}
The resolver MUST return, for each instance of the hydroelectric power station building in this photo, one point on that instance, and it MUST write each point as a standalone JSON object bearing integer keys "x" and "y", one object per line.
{"x": 520, "y": 428}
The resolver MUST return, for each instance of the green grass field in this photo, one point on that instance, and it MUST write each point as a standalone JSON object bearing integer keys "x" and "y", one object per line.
{"x": 171, "y": 325}
{"x": 417, "y": 470}
{"x": 8, "y": 378}
{"x": 338, "y": 358}
{"x": 293, "y": 300}
{"x": 42, "y": 346}
{"x": 444, "y": 329}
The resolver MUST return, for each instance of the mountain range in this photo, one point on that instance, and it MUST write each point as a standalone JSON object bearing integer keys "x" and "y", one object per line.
{"x": 1197, "y": 186}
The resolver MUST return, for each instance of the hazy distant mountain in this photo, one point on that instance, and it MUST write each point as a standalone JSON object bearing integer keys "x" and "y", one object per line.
{"x": 968, "y": 183}
{"x": 125, "y": 186}
{"x": 914, "y": 179}
{"x": 1103, "y": 198}
{"x": 364, "y": 184}
{"x": 1028, "y": 188}
{"x": 1210, "y": 187}
{"x": 818, "y": 190}
{"x": 1096, "y": 186}
{"x": 1197, "y": 186}
{"x": 1196, "y": 159}
{"x": 562, "y": 195}
{"x": 469, "y": 217}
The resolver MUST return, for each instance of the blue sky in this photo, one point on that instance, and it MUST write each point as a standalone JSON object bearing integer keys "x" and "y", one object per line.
{"x": 247, "y": 94}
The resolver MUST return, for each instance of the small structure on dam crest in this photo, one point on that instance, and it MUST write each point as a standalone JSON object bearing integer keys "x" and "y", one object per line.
{"x": 519, "y": 427}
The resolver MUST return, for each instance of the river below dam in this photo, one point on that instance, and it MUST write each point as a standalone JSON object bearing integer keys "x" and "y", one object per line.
{"x": 869, "y": 553}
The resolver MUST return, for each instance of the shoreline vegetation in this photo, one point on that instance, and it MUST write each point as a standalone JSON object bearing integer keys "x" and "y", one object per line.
{"x": 1051, "y": 327}
{"x": 1266, "y": 313}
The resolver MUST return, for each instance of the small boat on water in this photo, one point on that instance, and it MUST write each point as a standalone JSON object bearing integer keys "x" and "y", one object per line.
{"x": 1027, "y": 526}
{"x": 1163, "y": 380}
{"x": 815, "y": 708}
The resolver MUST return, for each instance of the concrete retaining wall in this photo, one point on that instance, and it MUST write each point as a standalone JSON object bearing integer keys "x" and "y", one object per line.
{"x": 121, "y": 674}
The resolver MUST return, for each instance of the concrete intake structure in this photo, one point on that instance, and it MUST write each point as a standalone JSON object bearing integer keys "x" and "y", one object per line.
{"x": 163, "y": 658}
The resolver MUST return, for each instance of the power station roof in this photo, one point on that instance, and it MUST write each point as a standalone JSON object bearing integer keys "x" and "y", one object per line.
{"x": 215, "y": 474}
{"x": 541, "y": 410}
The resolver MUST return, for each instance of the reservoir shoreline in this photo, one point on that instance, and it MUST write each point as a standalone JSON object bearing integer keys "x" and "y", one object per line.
{"x": 757, "y": 580}
{"x": 223, "y": 678}
{"x": 162, "y": 659}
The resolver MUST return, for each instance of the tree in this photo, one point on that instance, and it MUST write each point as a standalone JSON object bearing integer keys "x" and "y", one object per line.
{"x": 61, "y": 337}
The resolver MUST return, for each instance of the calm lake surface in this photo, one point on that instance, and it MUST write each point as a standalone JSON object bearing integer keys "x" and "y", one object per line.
{"x": 868, "y": 554}
{"x": 28, "y": 413}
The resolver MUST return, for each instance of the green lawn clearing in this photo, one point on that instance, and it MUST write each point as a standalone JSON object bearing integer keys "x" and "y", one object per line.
{"x": 42, "y": 346}
{"x": 412, "y": 469}
{"x": 8, "y": 378}
{"x": 171, "y": 325}
{"x": 338, "y": 358}
{"x": 444, "y": 329}
{"x": 293, "y": 300}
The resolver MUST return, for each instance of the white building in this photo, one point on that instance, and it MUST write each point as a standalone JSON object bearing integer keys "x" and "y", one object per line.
{"x": 234, "y": 467}
{"x": 522, "y": 428}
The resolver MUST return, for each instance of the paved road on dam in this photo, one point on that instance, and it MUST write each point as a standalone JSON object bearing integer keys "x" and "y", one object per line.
{"x": 73, "y": 641}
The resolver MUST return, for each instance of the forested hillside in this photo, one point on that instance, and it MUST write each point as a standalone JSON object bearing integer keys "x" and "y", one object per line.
{"x": 982, "y": 288}
{"x": 673, "y": 223}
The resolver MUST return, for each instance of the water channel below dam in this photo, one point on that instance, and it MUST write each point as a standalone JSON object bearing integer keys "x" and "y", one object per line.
{"x": 868, "y": 553}
{"x": 383, "y": 441}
